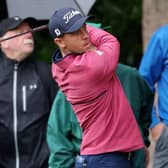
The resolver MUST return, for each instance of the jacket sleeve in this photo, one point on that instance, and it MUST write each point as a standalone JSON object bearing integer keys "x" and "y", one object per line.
{"x": 107, "y": 47}
{"x": 153, "y": 60}
{"x": 63, "y": 134}
{"x": 146, "y": 109}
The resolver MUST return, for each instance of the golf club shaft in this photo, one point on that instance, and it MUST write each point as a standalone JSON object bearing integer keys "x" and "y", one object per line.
{"x": 77, "y": 4}
{"x": 36, "y": 29}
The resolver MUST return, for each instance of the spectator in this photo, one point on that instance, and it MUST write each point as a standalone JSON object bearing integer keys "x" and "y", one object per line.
{"x": 154, "y": 69}
{"x": 27, "y": 91}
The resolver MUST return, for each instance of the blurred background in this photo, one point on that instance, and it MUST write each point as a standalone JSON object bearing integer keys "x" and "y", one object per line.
{"x": 132, "y": 22}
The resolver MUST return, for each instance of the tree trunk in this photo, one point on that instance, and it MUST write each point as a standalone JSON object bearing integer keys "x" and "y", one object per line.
{"x": 155, "y": 14}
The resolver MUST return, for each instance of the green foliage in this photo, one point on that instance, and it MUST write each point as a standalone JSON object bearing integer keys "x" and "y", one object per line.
{"x": 123, "y": 19}
{"x": 44, "y": 46}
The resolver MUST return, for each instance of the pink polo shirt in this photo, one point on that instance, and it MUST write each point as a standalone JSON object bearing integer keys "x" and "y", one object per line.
{"x": 91, "y": 85}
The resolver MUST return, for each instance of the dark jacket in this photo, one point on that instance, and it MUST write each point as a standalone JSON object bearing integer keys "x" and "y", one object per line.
{"x": 25, "y": 102}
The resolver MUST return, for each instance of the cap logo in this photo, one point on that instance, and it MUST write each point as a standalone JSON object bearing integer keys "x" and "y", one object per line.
{"x": 69, "y": 15}
{"x": 57, "y": 32}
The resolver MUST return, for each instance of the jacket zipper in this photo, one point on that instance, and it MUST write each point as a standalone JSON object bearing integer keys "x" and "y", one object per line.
{"x": 15, "y": 114}
{"x": 24, "y": 98}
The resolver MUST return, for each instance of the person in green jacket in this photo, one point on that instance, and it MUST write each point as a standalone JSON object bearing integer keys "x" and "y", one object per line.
{"x": 64, "y": 134}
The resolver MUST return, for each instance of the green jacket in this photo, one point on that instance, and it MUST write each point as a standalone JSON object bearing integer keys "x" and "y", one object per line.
{"x": 64, "y": 133}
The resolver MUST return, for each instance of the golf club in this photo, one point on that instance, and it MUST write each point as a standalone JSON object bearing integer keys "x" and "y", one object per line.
{"x": 39, "y": 28}
{"x": 36, "y": 29}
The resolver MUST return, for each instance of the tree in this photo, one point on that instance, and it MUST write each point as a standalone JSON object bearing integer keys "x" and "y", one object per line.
{"x": 123, "y": 19}
{"x": 155, "y": 14}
